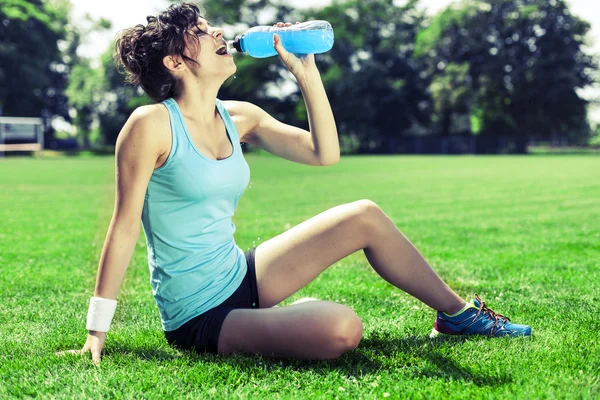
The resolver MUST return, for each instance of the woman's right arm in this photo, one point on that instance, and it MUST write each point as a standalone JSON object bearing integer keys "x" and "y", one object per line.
{"x": 139, "y": 145}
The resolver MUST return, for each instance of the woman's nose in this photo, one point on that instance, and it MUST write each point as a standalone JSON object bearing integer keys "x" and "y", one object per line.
{"x": 217, "y": 33}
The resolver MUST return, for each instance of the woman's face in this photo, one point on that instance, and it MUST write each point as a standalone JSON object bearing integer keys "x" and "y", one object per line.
{"x": 210, "y": 51}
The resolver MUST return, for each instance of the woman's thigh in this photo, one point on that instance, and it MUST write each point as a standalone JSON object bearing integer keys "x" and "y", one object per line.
{"x": 289, "y": 261}
{"x": 314, "y": 330}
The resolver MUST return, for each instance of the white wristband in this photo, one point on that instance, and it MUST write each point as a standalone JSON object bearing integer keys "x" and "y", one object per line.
{"x": 100, "y": 314}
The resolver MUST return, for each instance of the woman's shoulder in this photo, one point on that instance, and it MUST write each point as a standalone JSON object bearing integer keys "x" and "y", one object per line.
{"x": 151, "y": 112}
{"x": 149, "y": 124}
{"x": 234, "y": 107}
{"x": 151, "y": 119}
{"x": 243, "y": 114}
{"x": 243, "y": 109}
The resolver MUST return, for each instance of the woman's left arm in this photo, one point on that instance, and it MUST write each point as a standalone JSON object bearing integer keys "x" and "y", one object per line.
{"x": 320, "y": 146}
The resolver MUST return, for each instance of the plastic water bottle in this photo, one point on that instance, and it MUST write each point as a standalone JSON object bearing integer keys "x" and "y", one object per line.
{"x": 311, "y": 37}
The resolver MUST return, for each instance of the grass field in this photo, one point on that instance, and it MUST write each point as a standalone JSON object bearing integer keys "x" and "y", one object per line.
{"x": 522, "y": 232}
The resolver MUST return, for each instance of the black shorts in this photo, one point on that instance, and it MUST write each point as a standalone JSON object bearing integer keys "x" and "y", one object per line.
{"x": 201, "y": 333}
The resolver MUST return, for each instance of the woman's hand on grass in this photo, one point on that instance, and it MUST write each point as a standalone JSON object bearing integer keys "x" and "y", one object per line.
{"x": 93, "y": 344}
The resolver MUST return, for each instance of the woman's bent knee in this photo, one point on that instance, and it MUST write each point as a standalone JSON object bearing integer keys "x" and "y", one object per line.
{"x": 368, "y": 215}
{"x": 346, "y": 334}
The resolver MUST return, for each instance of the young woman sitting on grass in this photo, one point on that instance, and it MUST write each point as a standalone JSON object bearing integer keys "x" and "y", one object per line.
{"x": 181, "y": 171}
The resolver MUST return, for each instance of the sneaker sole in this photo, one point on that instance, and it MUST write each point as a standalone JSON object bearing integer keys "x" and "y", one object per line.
{"x": 434, "y": 334}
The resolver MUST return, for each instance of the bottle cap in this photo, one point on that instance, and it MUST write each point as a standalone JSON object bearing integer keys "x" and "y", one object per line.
{"x": 237, "y": 43}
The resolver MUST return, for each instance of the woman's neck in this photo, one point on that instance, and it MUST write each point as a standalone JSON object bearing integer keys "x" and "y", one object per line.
{"x": 198, "y": 100}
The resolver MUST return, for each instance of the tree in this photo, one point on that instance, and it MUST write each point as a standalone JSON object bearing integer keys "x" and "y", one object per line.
{"x": 85, "y": 92}
{"x": 451, "y": 91}
{"x": 33, "y": 74}
{"x": 526, "y": 63}
{"x": 86, "y": 87}
{"x": 118, "y": 101}
{"x": 375, "y": 86}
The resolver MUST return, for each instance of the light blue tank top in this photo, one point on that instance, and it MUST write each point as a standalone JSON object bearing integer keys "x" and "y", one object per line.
{"x": 193, "y": 259}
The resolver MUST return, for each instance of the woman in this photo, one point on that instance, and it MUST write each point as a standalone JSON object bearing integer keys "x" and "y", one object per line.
{"x": 180, "y": 169}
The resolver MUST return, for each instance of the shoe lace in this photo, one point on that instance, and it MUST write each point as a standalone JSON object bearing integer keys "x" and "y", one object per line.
{"x": 494, "y": 315}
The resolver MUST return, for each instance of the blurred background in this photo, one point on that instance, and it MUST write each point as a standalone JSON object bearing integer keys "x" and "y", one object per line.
{"x": 416, "y": 76}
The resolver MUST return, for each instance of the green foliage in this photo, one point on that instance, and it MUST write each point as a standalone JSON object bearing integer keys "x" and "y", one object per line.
{"x": 595, "y": 140}
{"x": 456, "y": 13}
{"x": 520, "y": 231}
{"x": 374, "y": 84}
{"x": 85, "y": 92}
{"x": 119, "y": 101}
{"x": 23, "y": 10}
{"x": 234, "y": 11}
{"x": 50, "y": 13}
{"x": 85, "y": 85}
{"x": 33, "y": 73}
{"x": 475, "y": 119}
{"x": 451, "y": 92}
{"x": 526, "y": 63}
{"x": 87, "y": 88}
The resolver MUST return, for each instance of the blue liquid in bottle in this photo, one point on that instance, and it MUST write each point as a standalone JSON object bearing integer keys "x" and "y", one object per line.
{"x": 312, "y": 37}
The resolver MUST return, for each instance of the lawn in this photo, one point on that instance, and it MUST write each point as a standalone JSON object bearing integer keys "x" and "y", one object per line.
{"x": 522, "y": 232}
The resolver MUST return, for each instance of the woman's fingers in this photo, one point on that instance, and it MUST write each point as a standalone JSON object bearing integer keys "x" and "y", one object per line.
{"x": 282, "y": 24}
{"x": 96, "y": 351}
{"x": 277, "y": 43}
{"x": 67, "y": 352}
{"x": 93, "y": 345}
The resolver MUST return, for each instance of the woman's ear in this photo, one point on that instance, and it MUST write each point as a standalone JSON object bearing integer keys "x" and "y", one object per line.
{"x": 173, "y": 63}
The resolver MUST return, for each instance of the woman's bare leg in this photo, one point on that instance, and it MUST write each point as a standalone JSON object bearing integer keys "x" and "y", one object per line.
{"x": 315, "y": 330}
{"x": 288, "y": 262}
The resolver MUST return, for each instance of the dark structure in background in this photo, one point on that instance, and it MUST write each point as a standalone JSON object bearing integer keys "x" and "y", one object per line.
{"x": 458, "y": 144}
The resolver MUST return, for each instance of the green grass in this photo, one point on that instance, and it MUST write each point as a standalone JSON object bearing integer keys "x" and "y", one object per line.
{"x": 570, "y": 150}
{"x": 523, "y": 232}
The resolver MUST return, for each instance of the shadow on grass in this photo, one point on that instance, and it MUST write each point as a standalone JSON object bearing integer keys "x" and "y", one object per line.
{"x": 425, "y": 358}
{"x": 417, "y": 356}
{"x": 142, "y": 353}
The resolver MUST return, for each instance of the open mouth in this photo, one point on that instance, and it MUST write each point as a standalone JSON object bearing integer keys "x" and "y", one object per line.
{"x": 222, "y": 50}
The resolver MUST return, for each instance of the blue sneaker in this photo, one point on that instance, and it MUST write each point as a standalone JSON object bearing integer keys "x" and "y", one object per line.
{"x": 477, "y": 319}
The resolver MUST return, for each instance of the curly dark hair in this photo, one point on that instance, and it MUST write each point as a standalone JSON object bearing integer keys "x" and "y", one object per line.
{"x": 141, "y": 49}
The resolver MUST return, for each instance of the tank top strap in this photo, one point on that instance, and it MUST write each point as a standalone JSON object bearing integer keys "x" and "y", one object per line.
{"x": 176, "y": 120}
{"x": 229, "y": 124}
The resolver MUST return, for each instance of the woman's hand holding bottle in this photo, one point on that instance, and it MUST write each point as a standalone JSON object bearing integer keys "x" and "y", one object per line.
{"x": 299, "y": 67}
